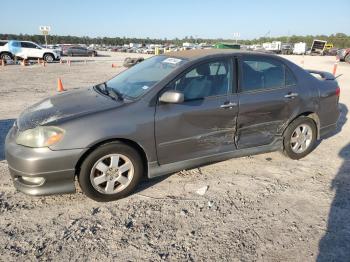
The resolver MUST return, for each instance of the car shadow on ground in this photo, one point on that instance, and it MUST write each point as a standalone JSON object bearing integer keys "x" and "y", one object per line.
{"x": 148, "y": 183}
{"x": 5, "y": 126}
{"x": 335, "y": 244}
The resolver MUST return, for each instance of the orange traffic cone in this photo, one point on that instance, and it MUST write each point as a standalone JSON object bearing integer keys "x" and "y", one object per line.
{"x": 60, "y": 85}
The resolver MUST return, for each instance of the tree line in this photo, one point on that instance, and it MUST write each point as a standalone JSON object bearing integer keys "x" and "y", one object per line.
{"x": 339, "y": 40}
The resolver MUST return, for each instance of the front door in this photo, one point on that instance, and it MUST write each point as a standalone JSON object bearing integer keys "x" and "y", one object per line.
{"x": 205, "y": 123}
{"x": 268, "y": 95}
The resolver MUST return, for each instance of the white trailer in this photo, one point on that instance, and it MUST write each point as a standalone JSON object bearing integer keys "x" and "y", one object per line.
{"x": 299, "y": 48}
{"x": 275, "y": 46}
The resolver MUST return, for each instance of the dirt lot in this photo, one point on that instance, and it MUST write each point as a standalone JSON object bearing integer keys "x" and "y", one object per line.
{"x": 257, "y": 208}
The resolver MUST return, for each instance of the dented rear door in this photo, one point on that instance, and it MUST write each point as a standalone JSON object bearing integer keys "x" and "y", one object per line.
{"x": 268, "y": 96}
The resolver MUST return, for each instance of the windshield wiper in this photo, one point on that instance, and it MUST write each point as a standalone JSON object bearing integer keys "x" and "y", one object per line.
{"x": 115, "y": 94}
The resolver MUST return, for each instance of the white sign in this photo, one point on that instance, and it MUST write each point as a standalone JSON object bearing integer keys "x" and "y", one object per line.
{"x": 236, "y": 35}
{"x": 171, "y": 60}
{"x": 45, "y": 29}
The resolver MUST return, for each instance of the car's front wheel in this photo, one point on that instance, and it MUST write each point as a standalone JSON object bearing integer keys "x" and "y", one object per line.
{"x": 49, "y": 58}
{"x": 300, "y": 138}
{"x": 110, "y": 172}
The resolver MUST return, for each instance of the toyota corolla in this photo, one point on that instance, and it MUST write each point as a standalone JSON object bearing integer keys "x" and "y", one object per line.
{"x": 170, "y": 112}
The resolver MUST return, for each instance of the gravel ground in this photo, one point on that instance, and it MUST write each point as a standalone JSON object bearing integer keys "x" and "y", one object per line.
{"x": 258, "y": 208}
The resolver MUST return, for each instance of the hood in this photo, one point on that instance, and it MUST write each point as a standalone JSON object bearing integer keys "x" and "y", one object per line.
{"x": 67, "y": 105}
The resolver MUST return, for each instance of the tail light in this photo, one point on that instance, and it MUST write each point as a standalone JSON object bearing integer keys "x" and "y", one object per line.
{"x": 337, "y": 91}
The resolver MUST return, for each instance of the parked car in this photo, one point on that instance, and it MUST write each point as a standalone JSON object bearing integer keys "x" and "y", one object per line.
{"x": 331, "y": 52}
{"x": 78, "y": 51}
{"x": 170, "y": 112}
{"x": 287, "y": 49}
{"x": 129, "y": 61}
{"x": 27, "y": 50}
{"x": 344, "y": 54}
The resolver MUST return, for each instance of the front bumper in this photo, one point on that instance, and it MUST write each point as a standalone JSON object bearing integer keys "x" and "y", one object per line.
{"x": 41, "y": 171}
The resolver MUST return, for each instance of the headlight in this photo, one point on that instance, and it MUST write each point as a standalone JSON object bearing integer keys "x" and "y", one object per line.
{"x": 41, "y": 136}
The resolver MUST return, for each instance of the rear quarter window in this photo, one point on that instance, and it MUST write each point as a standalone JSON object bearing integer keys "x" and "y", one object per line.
{"x": 290, "y": 78}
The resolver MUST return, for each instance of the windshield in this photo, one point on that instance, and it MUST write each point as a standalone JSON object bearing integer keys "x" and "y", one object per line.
{"x": 138, "y": 79}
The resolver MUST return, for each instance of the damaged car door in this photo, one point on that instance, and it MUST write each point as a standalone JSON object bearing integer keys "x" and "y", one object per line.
{"x": 267, "y": 97}
{"x": 204, "y": 123}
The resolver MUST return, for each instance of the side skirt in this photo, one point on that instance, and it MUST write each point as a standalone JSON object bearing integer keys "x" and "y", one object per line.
{"x": 155, "y": 170}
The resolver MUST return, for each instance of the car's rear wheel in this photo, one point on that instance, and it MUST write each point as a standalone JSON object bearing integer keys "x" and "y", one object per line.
{"x": 300, "y": 138}
{"x": 49, "y": 58}
{"x": 110, "y": 172}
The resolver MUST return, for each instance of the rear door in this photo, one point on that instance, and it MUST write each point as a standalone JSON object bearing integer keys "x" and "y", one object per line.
{"x": 268, "y": 95}
{"x": 30, "y": 50}
{"x": 205, "y": 123}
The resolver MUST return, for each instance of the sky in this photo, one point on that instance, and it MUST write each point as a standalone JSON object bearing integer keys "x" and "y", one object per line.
{"x": 176, "y": 18}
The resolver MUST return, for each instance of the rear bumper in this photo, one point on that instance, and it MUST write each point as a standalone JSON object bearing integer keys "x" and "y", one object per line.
{"x": 329, "y": 129}
{"x": 324, "y": 131}
{"x": 41, "y": 171}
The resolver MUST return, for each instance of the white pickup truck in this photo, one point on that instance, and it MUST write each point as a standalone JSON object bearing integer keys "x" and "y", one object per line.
{"x": 26, "y": 50}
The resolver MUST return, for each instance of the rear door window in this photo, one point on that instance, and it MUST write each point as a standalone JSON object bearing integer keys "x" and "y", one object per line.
{"x": 261, "y": 73}
{"x": 28, "y": 45}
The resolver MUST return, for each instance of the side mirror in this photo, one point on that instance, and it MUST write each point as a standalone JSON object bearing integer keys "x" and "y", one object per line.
{"x": 173, "y": 97}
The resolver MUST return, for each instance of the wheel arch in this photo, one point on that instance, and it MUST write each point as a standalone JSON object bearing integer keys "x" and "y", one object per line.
{"x": 129, "y": 142}
{"x": 7, "y": 52}
{"x": 48, "y": 53}
{"x": 313, "y": 116}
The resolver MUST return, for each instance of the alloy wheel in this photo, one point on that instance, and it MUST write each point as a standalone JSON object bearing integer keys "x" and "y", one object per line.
{"x": 301, "y": 138}
{"x": 112, "y": 173}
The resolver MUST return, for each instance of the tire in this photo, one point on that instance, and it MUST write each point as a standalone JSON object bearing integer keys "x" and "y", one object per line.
{"x": 347, "y": 58}
{"x": 102, "y": 163}
{"x": 298, "y": 144}
{"x": 6, "y": 56}
{"x": 49, "y": 58}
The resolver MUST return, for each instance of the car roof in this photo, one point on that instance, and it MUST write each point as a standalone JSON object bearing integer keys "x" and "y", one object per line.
{"x": 195, "y": 54}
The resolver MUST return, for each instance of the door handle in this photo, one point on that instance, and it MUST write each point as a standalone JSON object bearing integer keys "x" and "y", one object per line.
{"x": 291, "y": 95}
{"x": 228, "y": 105}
